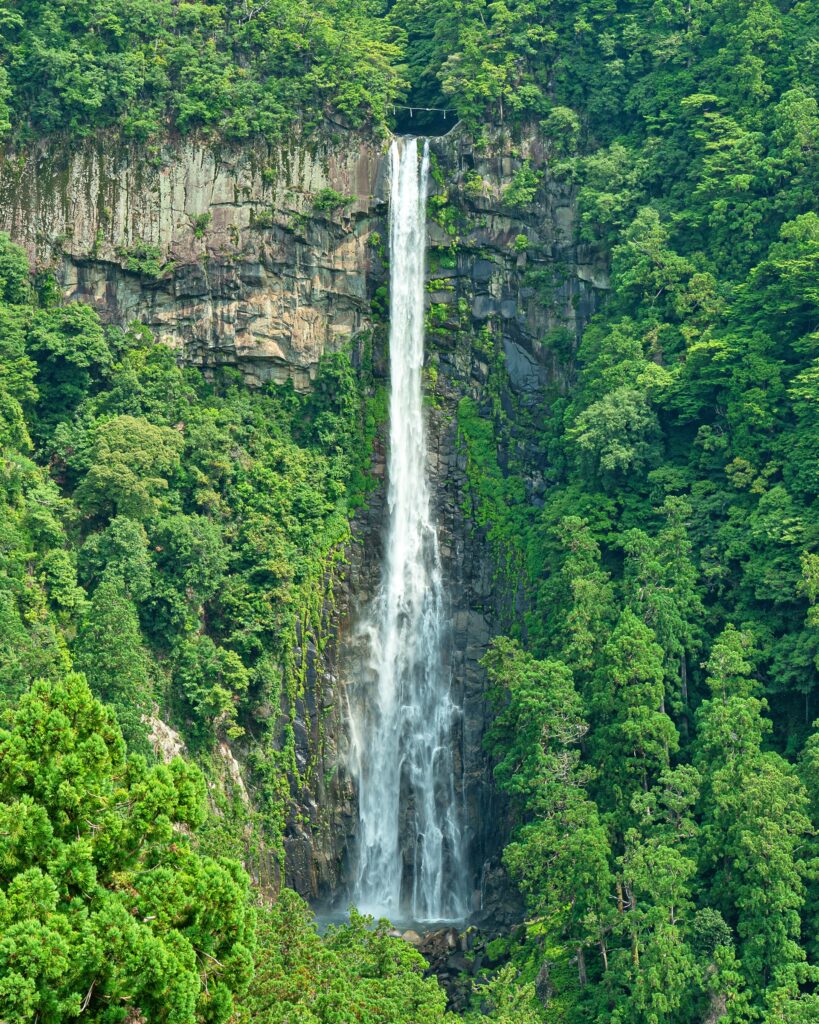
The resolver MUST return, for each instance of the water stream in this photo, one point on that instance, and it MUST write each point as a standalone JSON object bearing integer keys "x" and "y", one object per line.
{"x": 411, "y": 862}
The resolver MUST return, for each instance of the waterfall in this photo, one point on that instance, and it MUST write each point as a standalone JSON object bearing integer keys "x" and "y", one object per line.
{"x": 410, "y": 861}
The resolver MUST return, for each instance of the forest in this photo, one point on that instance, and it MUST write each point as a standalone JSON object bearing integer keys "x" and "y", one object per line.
{"x": 166, "y": 538}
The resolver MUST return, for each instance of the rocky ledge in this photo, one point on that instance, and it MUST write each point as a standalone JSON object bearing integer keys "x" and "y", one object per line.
{"x": 253, "y": 256}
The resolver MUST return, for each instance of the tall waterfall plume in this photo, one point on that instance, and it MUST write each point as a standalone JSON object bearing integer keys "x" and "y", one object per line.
{"x": 411, "y": 861}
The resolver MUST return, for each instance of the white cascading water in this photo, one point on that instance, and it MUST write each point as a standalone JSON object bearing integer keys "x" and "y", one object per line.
{"x": 411, "y": 862}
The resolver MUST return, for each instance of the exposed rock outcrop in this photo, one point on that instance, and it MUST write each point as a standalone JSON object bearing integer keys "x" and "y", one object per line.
{"x": 165, "y": 741}
{"x": 231, "y": 254}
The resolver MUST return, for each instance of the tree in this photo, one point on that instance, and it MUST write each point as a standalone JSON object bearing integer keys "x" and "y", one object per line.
{"x": 560, "y": 855}
{"x": 632, "y": 737}
{"x": 660, "y": 582}
{"x": 656, "y": 974}
{"x": 105, "y": 906}
{"x": 358, "y": 971}
{"x": 506, "y": 1000}
{"x": 645, "y": 268}
{"x": 130, "y": 463}
{"x": 69, "y": 346}
{"x": 119, "y": 552}
{"x": 611, "y": 423}
{"x": 110, "y": 651}
{"x": 754, "y": 821}
{"x": 578, "y": 602}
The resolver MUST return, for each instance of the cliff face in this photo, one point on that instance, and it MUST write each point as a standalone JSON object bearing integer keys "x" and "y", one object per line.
{"x": 219, "y": 250}
{"x": 265, "y": 258}
{"x": 238, "y": 255}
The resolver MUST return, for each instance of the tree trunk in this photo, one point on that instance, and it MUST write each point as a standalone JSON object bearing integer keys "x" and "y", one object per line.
{"x": 684, "y": 695}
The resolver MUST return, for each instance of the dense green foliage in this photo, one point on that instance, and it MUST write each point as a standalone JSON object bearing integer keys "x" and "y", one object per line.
{"x": 167, "y": 541}
{"x": 655, "y": 713}
{"x": 237, "y": 67}
{"x": 354, "y": 973}
{"x": 104, "y": 902}
{"x": 170, "y": 538}
{"x": 590, "y": 73}
{"x": 107, "y": 908}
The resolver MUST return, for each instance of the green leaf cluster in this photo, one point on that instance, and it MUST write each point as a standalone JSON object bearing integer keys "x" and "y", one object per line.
{"x": 105, "y": 905}
{"x": 233, "y": 67}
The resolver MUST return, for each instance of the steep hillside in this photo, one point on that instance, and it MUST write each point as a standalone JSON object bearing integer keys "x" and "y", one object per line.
{"x": 621, "y": 385}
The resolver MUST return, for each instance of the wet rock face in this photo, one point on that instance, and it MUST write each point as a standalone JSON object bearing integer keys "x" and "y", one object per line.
{"x": 520, "y": 272}
{"x": 237, "y": 256}
{"x": 477, "y": 282}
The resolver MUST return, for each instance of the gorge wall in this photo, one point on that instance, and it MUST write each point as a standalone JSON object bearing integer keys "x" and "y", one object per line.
{"x": 263, "y": 258}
